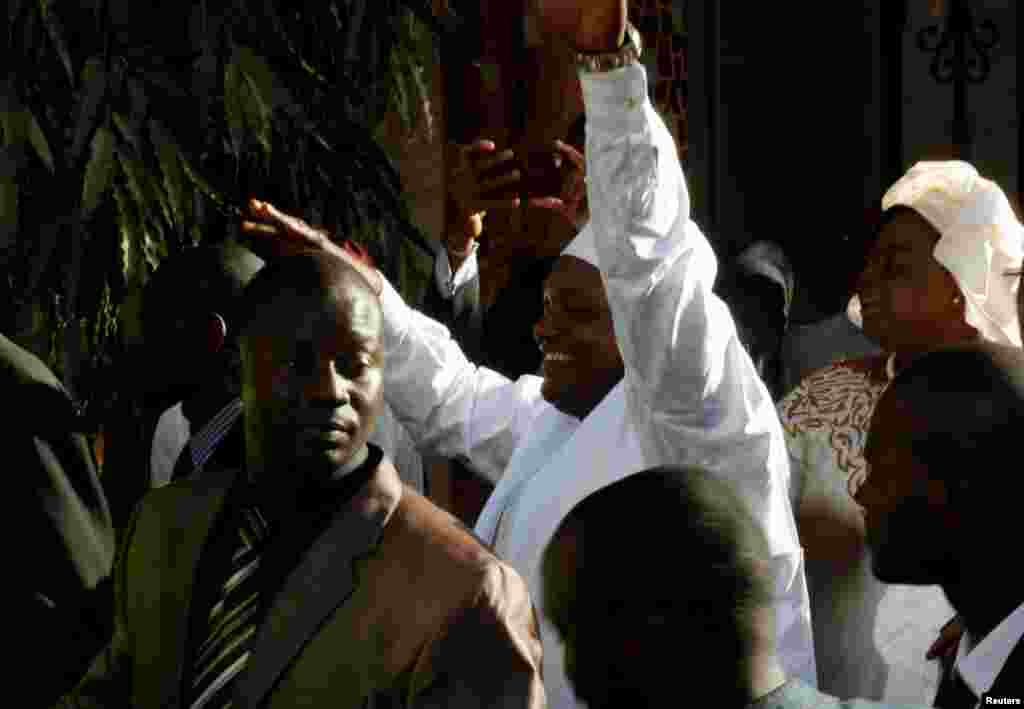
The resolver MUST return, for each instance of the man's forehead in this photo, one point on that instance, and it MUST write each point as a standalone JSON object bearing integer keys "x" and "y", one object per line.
{"x": 304, "y": 314}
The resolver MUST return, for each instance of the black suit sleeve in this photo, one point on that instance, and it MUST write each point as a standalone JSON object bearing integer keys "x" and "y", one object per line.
{"x": 108, "y": 682}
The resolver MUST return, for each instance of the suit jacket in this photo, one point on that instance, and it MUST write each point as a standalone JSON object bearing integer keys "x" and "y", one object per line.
{"x": 395, "y": 604}
{"x": 1009, "y": 683}
{"x": 65, "y": 544}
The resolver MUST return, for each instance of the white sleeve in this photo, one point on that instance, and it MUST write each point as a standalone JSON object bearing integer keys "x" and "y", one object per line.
{"x": 691, "y": 387}
{"x": 692, "y": 390}
{"x": 449, "y": 406}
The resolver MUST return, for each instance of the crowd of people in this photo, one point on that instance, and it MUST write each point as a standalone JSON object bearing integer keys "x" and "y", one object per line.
{"x": 673, "y": 516}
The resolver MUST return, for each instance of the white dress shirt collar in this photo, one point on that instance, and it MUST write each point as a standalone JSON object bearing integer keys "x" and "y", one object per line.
{"x": 979, "y": 664}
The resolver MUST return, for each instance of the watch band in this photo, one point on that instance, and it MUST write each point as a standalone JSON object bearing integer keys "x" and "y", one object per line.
{"x": 599, "y": 62}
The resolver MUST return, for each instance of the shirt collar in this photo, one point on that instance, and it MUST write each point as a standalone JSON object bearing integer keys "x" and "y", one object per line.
{"x": 205, "y": 441}
{"x": 980, "y": 665}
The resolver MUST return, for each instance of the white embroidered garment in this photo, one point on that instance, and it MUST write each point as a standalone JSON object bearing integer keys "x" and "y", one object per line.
{"x": 690, "y": 394}
{"x": 826, "y": 420}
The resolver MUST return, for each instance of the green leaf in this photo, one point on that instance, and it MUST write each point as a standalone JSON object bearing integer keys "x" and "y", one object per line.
{"x": 173, "y": 174}
{"x": 200, "y": 182}
{"x": 135, "y": 178}
{"x": 11, "y": 113}
{"x": 55, "y": 29}
{"x": 143, "y": 185}
{"x": 257, "y": 112}
{"x": 154, "y": 247}
{"x": 94, "y": 86}
{"x": 273, "y": 92}
{"x": 131, "y": 236}
{"x": 92, "y": 70}
{"x": 38, "y": 140}
{"x": 128, "y": 132}
{"x": 100, "y": 170}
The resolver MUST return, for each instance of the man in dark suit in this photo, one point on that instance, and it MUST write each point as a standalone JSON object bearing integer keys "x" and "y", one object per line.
{"x": 61, "y": 578}
{"x": 624, "y": 606}
{"x": 942, "y": 503}
{"x": 312, "y": 577}
{"x": 192, "y": 347}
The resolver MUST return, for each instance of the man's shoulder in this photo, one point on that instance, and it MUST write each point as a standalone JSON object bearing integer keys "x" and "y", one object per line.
{"x": 185, "y": 494}
{"x": 422, "y": 522}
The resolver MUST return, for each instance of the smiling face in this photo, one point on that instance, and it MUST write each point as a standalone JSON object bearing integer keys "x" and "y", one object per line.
{"x": 312, "y": 381}
{"x": 908, "y": 299}
{"x": 581, "y": 361}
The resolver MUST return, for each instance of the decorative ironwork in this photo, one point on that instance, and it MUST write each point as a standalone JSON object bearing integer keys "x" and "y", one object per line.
{"x": 960, "y": 50}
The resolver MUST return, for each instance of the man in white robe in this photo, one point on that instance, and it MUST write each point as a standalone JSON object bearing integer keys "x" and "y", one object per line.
{"x": 687, "y": 393}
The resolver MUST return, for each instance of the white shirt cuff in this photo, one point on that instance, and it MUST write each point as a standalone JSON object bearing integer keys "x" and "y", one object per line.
{"x": 615, "y": 100}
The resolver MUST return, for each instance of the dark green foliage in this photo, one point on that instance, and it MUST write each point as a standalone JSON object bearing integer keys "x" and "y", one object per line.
{"x": 131, "y": 130}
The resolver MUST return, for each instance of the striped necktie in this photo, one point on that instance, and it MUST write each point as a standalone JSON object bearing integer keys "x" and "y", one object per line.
{"x": 232, "y": 620}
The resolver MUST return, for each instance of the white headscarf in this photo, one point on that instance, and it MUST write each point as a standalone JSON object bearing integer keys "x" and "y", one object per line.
{"x": 980, "y": 240}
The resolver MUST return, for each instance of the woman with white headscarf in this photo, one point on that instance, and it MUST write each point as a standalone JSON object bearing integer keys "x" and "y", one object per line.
{"x": 938, "y": 275}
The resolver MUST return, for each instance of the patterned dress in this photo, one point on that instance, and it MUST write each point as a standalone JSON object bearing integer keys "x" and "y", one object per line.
{"x": 826, "y": 421}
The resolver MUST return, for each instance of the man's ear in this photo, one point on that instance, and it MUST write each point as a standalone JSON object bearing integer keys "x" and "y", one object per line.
{"x": 216, "y": 333}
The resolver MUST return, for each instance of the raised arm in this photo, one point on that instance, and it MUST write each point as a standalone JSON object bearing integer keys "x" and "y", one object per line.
{"x": 693, "y": 393}
{"x": 658, "y": 268}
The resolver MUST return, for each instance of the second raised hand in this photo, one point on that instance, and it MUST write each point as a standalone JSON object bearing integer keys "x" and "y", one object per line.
{"x": 478, "y": 173}
{"x": 272, "y": 234}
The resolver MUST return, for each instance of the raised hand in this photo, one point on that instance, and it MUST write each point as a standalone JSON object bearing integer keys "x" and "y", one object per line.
{"x": 479, "y": 175}
{"x": 272, "y": 234}
{"x": 571, "y": 202}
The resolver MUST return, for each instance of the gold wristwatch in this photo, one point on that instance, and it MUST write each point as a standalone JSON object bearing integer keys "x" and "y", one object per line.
{"x": 599, "y": 62}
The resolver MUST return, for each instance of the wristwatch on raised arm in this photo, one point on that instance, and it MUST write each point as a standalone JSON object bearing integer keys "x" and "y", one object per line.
{"x": 600, "y": 62}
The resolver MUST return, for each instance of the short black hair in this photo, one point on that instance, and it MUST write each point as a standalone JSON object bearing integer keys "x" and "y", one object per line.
{"x": 639, "y": 531}
{"x": 968, "y": 407}
{"x": 198, "y": 280}
{"x": 313, "y": 275}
